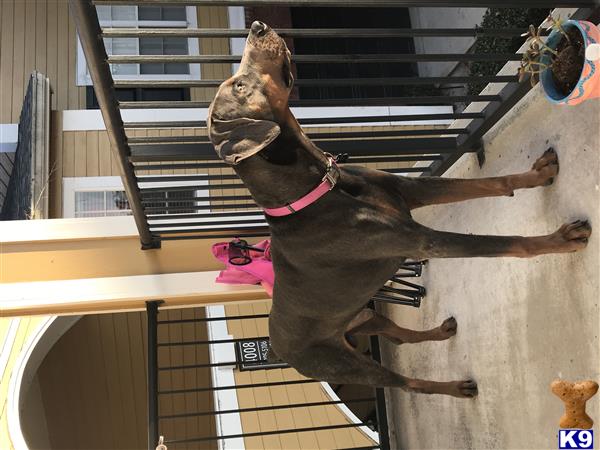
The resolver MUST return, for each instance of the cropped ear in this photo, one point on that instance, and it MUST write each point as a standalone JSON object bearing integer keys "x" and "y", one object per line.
{"x": 238, "y": 139}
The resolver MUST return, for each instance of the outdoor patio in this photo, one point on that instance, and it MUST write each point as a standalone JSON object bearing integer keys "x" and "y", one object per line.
{"x": 521, "y": 322}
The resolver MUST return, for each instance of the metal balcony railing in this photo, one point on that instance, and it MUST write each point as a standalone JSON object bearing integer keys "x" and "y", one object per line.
{"x": 215, "y": 207}
{"x": 24, "y": 175}
{"x": 398, "y": 291}
{"x": 157, "y": 421}
{"x": 218, "y": 206}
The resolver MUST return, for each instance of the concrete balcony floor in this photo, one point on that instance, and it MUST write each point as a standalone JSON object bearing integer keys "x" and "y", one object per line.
{"x": 521, "y": 322}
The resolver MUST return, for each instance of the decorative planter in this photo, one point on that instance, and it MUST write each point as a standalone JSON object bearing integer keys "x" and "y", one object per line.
{"x": 588, "y": 85}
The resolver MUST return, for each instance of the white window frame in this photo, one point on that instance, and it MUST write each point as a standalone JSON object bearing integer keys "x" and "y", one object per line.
{"x": 71, "y": 185}
{"x": 83, "y": 76}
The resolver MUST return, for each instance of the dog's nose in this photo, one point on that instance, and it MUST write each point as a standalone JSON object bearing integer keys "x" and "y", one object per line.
{"x": 258, "y": 28}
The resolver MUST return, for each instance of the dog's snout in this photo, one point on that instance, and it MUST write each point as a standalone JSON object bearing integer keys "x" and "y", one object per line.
{"x": 258, "y": 28}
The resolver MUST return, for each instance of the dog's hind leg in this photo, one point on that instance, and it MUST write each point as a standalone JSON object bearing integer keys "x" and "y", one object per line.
{"x": 423, "y": 191}
{"x": 339, "y": 363}
{"x": 369, "y": 322}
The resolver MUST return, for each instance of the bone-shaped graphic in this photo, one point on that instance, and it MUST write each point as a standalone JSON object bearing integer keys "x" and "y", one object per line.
{"x": 574, "y": 396}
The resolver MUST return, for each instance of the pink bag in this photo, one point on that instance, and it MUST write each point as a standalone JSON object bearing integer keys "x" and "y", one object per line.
{"x": 259, "y": 269}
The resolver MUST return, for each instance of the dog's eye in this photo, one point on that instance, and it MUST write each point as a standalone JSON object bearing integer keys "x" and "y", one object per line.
{"x": 239, "y": 86}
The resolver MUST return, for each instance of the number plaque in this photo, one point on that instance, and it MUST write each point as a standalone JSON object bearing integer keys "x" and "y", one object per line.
{"x": 251, "y": 354}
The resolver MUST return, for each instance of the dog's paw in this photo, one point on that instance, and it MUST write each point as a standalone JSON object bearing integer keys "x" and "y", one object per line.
{"x": 448, "y": 328}
{"x": 572, "y": 237}
{"x": 465, "y": 389}
{"x": 546, "y": 167}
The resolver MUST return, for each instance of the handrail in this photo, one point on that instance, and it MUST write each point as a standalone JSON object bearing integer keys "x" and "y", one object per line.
{"x": 88, "y": 28}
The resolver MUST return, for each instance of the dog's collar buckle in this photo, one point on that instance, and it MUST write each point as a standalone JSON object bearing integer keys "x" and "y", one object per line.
{"x": 329, "y": 177}
{"x": 328, "y": 182}
{"x": 331, "y": 166}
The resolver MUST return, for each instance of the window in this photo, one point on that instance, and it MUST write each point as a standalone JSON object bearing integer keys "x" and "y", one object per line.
{"x": 184, "y": 206}
{"x": 101, "y": 204}
{"x": 105, "y": 196}
{"x": 146, "y": 17}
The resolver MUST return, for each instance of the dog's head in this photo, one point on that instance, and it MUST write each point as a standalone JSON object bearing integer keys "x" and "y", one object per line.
{"x": 249, "y": 107}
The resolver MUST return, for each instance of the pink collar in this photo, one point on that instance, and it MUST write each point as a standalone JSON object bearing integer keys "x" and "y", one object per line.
{"x": 326, "y": 185}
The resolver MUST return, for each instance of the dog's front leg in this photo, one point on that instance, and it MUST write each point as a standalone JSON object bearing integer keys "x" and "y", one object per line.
{"x": 423, "y": 191}
{"x": 428, "y": 243}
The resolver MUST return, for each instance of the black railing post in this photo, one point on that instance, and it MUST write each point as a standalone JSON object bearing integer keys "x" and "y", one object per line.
{"x": 152, "y": 314}
{"x": 90, "y": 35}
{"x": 380, "y": 408}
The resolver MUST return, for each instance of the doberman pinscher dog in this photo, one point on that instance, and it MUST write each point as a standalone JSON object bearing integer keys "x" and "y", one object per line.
{"x": 334, "y": 254}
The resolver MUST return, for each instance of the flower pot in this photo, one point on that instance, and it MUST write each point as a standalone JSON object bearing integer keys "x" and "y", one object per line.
{"x": 588, "y": 85}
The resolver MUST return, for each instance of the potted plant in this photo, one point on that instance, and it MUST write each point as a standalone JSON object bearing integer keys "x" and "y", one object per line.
{"x": 569, "y": 74}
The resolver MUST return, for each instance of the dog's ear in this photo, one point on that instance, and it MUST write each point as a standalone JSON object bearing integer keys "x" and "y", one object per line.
{"x": 238, "y": 139}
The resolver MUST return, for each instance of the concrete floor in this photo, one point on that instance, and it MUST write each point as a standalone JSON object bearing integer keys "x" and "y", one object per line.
{"x": 521, "y": 323}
